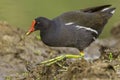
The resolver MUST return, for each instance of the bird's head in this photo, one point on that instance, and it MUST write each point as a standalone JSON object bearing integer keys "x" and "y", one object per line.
{"x": 38, "y": 24}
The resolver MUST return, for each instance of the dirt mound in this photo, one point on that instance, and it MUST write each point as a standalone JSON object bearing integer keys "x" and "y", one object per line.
{"x": 20, "y": 55}
{"x": 17, "y": 50}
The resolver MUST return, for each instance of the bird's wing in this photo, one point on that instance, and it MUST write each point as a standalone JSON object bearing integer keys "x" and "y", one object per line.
{"x": 94, "y": 18}
{"x": 81, "y": 18}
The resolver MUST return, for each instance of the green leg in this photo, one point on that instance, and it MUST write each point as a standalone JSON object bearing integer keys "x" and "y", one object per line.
{"x": 59, "y": 58}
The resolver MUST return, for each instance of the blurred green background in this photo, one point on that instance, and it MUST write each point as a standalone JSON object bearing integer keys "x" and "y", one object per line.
{"x": 20, "y": 13}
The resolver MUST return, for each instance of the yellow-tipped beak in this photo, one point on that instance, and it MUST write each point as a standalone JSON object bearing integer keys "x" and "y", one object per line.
{"x": 28, "y": 33}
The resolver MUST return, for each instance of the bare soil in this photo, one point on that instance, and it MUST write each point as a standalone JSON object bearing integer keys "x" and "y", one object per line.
{"x": 20, "y": 58}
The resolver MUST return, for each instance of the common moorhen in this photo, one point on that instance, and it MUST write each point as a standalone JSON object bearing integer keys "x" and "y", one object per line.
{"x": 77, "y": 29}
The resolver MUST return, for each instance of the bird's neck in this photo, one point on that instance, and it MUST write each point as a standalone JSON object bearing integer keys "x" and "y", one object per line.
{"x": 47, "y": 29}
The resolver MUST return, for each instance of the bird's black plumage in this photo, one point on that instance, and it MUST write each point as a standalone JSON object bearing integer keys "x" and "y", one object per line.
{"x": 74, "y": 28}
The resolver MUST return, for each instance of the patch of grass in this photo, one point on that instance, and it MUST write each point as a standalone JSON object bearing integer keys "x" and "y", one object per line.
{"x": 8, "y": 78}
{"x": 25, "y": 74}
{"x": 38, "y": 37}
{"x": 110, "y": 57}
{"x": 37, "y": 52}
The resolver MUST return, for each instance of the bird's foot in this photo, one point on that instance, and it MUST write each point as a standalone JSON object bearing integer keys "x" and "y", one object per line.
{"x": 64, "y": 68}
{"x": 59, "y": 58}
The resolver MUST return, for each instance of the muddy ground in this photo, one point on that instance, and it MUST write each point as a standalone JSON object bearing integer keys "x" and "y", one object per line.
{"x": 20, "y": 58}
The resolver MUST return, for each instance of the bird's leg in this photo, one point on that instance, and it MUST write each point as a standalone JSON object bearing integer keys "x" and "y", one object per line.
{"x": 54, "y": 60}
{"x": 59, "y": 58}
{"x": 82, "y": 54}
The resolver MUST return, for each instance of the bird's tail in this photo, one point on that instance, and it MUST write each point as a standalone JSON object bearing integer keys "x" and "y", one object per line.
{"x": 103, "y": 8}
{"x": 108, "y": 12}
{"x": 95, "y": 9}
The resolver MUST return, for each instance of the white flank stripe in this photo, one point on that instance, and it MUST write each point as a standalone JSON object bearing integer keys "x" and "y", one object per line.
{"x": 105, "y": 9}
{"x": 70, "y": 23}
{"x": 113, "y": 11}
{"x": 89, "y": 29}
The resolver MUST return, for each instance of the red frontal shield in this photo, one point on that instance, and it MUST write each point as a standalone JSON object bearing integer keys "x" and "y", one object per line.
{"x": 32, "y": 28}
